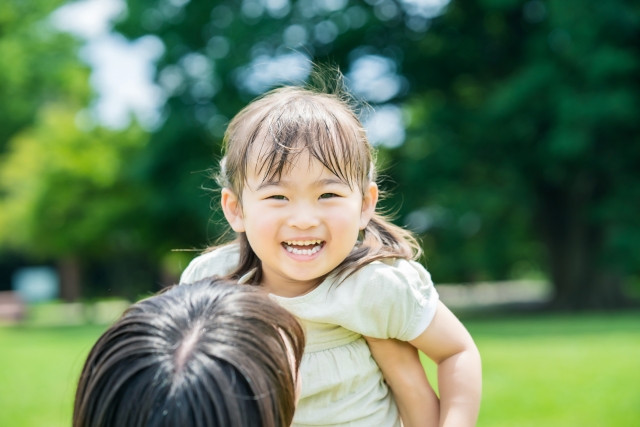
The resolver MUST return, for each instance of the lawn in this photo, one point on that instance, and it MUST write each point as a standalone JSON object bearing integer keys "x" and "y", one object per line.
{"x": 546, "y": 370}
{"x": 39, "y": 368}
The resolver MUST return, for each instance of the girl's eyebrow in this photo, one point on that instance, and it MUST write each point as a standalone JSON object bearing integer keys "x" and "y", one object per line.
{"x": 272, "y": 183}
{"x": 289, "y": 184}
{"x": 328, "y": 181}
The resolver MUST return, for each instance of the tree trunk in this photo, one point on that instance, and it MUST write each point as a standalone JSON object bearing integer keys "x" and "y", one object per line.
{"x": 70, "y": 276}
{"x": 575, "y": 245}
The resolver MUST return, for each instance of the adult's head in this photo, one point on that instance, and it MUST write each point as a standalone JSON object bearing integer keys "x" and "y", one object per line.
{"x": 208, "y": 354}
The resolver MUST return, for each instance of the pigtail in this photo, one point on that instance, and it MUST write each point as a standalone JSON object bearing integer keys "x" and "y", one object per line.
{"x": 381, "y": 235}
{"x": 381, "y": 240}
{"x": 248, "y": 261}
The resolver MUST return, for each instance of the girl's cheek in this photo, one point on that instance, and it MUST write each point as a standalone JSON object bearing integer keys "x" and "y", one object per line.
{"x": 265, "y": 217}
{"x": 344, "y": 218}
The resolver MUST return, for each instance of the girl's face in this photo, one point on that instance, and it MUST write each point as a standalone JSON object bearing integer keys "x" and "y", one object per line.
{"x": 302, "y": 226}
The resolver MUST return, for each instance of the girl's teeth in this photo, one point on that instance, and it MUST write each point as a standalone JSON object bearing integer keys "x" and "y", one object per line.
{"x": 302, "y": 242}
{"x": 303, "y": 251}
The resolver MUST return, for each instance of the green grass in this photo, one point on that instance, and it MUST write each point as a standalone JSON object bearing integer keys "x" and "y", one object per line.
{"x": 546, "y": 370}
{"x": 39, "y": 369}
{"x": 558, "y": 370}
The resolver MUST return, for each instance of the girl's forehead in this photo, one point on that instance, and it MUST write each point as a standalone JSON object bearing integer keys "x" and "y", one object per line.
{"x": 299, "y": 165}
{"x": 272, "y": 155}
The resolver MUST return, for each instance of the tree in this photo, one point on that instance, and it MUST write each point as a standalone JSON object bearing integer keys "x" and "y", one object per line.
{"x": 37, "y": 64}
{"x": 68, "y": 194}
{"x": 521, "y": 142}
{"x": 533, "y": 108}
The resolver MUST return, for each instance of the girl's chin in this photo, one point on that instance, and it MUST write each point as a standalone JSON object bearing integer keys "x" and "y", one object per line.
{"x": 306, "y": 275}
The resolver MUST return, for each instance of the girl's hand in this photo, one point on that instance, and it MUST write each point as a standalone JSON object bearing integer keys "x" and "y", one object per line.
{"x": 401, "y": 367}
{"x": 447, "y": 342}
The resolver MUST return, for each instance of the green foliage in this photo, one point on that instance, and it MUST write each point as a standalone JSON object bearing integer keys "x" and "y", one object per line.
{"x": 536, "y": 131}
{"x": 522, "y": 141}
{"x": 65, "y": 191}
{"x": 189, "y": 143}
{"x": 69, "y": 191}
{"x": 37, "y": 64}
{"x": 520, "y": 157}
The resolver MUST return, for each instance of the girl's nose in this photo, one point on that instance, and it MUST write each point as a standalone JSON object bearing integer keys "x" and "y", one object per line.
{"x": 303, "y": 217}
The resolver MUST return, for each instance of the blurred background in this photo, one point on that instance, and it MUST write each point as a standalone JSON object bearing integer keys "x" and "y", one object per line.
{"x": 508, "y": 132}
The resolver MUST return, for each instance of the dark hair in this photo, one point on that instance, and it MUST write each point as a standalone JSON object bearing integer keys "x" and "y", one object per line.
{"x": 322, "y": 119}
{"x": 213, "y": 353}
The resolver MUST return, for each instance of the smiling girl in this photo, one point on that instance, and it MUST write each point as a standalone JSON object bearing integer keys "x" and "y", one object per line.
{"x": 298, "y": 188}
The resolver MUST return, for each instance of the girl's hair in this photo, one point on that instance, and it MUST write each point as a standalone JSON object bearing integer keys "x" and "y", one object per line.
{"x": 209, "y": 354}
{"x": 280, "y": 125}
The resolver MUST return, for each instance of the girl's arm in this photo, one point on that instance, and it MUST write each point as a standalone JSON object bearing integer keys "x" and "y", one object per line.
{"x": 447, "y": 342}
{"x": 401, "y": 367}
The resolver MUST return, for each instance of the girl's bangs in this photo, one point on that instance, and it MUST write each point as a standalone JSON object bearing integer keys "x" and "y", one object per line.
{"x": 286, "y": 131}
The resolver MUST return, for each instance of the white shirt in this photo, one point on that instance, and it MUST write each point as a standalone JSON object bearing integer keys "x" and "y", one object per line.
{"x": 341, "y": 383}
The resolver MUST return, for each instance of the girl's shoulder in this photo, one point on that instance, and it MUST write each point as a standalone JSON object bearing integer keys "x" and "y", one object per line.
{"x": 394, "y": 298}
{"x": 219, "y": 262}
{"x": 392, "y": 274}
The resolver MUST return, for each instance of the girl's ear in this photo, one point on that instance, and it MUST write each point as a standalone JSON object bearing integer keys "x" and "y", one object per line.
{"x": 369, "y": 203}
{"x": 232, "y": 210}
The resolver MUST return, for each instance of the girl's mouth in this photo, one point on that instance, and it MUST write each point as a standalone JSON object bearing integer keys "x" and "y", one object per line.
{"x": 303, "y": 247}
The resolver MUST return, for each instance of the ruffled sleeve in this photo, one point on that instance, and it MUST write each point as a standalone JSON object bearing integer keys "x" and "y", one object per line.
{"x": 392, "y": 299}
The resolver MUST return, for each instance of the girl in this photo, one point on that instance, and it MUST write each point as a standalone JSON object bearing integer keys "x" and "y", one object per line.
{"x": 298, "y": 188}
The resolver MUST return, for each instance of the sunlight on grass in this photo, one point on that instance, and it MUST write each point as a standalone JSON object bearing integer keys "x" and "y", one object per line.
{"x": 39, "y": 369}
{"x": 559, "y": 371}
{"x": 546, "y": 370}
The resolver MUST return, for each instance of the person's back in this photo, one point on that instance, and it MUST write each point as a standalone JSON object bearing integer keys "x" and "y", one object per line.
{"x": 208, "y": 354}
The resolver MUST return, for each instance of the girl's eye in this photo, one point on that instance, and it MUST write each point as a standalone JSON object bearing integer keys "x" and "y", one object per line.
{"x": 278, "y": 197}
{"x": 328, "y": 195}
